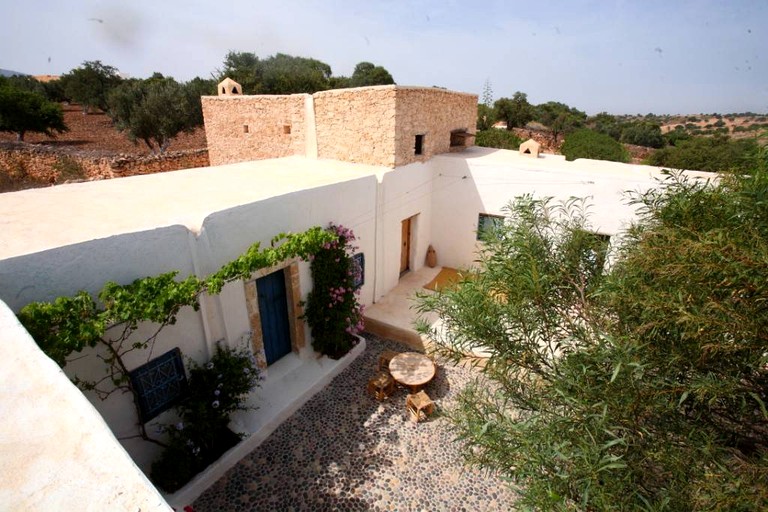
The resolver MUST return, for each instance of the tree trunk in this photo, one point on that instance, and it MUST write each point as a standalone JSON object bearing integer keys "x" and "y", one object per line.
{"x": 19, "y": 136}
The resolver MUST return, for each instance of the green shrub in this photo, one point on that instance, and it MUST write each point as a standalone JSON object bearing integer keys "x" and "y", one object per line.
{"x": 500, "y": 139}
{"x": 586, "y": 143}
{"x": 643, "y": 134}
{"x": 713, "y": 154}
{"x": 215, "y": 391}
{"x": 640, "y": 388}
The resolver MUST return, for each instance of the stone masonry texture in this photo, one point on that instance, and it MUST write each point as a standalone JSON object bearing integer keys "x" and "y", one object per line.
{"x": 370, "y": 125}
{"x": 243, "y": 128}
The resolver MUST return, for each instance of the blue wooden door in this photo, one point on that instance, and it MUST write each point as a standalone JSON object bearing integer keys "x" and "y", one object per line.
{"x": 273, "y": 309}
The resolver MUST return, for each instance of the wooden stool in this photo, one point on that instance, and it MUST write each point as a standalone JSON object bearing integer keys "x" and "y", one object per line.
{"x": 385, "y": 358}
{"x": 417, "y": 403}
{"x": 381, "y": 386}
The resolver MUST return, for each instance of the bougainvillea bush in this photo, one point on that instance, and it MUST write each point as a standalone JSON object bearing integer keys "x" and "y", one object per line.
{"x": 332, "y": 309}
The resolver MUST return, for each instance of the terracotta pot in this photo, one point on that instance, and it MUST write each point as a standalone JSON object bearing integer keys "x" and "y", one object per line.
{"x": 431, "y": 257}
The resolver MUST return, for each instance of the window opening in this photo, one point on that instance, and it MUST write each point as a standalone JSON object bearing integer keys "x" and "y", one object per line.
{"x": 245, "y": 128}
{"x": 159, "y": 384}
{"x": 419, "y": 146}
{"x": 235, "y": 91}
{"x": 358, "y": 268}
{"x": 487, "y": 224}
{"x": 287, "y": 129}
{"x": 459, "y": 138}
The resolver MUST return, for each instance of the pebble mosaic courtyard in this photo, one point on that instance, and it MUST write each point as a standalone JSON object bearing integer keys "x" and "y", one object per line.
{"x": 343, "y": 450}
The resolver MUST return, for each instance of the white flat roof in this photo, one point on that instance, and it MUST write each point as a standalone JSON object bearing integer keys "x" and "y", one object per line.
{"x": 44, "y": 218}
{"x": 480, "y": 157}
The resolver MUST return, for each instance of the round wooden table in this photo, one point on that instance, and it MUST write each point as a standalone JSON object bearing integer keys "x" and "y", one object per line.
{"x": 412, "y": 369}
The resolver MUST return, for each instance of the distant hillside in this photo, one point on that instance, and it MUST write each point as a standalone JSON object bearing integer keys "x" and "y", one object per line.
{"x": 8, "y": 72}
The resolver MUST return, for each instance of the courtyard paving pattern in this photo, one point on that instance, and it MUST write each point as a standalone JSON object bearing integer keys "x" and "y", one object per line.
{"x": 343, "y": 450}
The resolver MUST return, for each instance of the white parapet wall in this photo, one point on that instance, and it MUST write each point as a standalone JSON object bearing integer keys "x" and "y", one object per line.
{"x": 57, "y": 451}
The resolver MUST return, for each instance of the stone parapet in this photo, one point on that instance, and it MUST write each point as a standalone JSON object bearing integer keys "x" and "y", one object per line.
{"x": 384, "y": 125}
{"x": 243, "y": 128}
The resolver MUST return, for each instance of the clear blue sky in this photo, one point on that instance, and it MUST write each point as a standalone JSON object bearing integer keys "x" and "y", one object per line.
{"x": 619, "y": 56}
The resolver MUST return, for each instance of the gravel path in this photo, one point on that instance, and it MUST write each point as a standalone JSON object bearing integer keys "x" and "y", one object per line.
{"x": 343, "y": 450}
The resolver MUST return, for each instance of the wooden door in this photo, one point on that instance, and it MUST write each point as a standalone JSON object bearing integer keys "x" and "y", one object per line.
{"x": 273, "y": 310}
{"x": 405, "y": 247}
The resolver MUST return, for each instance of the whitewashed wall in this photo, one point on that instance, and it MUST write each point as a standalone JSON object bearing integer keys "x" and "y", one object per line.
{"x": 405, "y": 192}
{"x": 57, "y": 452}
{"x": 229, "y": 233}
{"x": 224, "y": 236}
{"x": 482, "y": 180}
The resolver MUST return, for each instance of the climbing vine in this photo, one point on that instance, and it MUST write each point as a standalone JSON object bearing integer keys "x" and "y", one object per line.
{"x": 69, "y": 324}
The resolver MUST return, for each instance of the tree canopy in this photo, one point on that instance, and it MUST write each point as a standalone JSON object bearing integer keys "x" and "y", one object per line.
{"x": 718, "y": 153}
{"x": 90, "y": 84}
{"x": 23, "y": 111}
{"x": 369, "y": 74}
{"x": 585, "y": 143}
{"x": 287, "y": 74}
{"x": 559, "y": 117}
{"x": 516, "y": 112}
{"x": 639, "y": 387}
{"x": 156, "y": 110}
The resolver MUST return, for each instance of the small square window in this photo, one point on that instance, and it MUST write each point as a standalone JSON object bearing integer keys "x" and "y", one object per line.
{"x": 287, "y": 129}
{"x": 358, "y": 266}
{"x": 159, "y": 384}
{"x": 486, "y": 224}
{"x": 418, "y": 148}
{"x": 245, "y": 128}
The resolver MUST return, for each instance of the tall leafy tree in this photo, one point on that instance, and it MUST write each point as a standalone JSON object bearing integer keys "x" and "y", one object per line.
{"x": 286, "y": 74}
{"x": 23, "y": 111}
{"x": 606, "y": 123}
{"x": 245, "y": 69}
{"x": 369, "y": 74}
{"x": 642, "y": 387}
{"x": 643, "y": 133}
{"x": 516, "y": 112}
{"x": 559, "y": 117}
{"x": 155, "y": 110}
{"x": 90, "y": 84}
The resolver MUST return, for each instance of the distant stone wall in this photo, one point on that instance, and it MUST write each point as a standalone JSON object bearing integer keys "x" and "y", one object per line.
{"x": 30, "y": 165}
{"x": 243, "y": 128}
{"x": 357, "y": 125}
{"x": 433, "y": 113}
{"x": 370, "y": 125}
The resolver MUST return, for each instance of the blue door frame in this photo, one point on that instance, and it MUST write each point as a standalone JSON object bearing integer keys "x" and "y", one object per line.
{"x": 273, "y": 310}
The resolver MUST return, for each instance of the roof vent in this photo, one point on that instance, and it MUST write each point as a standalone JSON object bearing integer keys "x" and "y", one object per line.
{"x": 530, "y": 148}
{"x": 229, "y": 87}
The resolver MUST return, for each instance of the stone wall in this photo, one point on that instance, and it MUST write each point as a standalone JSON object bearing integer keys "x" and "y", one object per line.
{"x": 369, "y": 125}
{"x": 243, "y": 128}
{"x": 433, "y": 113}
{"x": 357, "y": 125}
{"x": 29, "y": 165}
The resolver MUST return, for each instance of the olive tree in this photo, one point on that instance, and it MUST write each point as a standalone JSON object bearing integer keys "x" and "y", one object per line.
{"x": 642, "y": 387}
{"x": 155, "y": 110}
{"x": 90, "y": 84}
{"x": 23, "y": 111}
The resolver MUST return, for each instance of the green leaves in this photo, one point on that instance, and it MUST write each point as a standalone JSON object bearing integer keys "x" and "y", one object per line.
{"x": 640, "y": 388}
{"x": 70, "y": 324}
